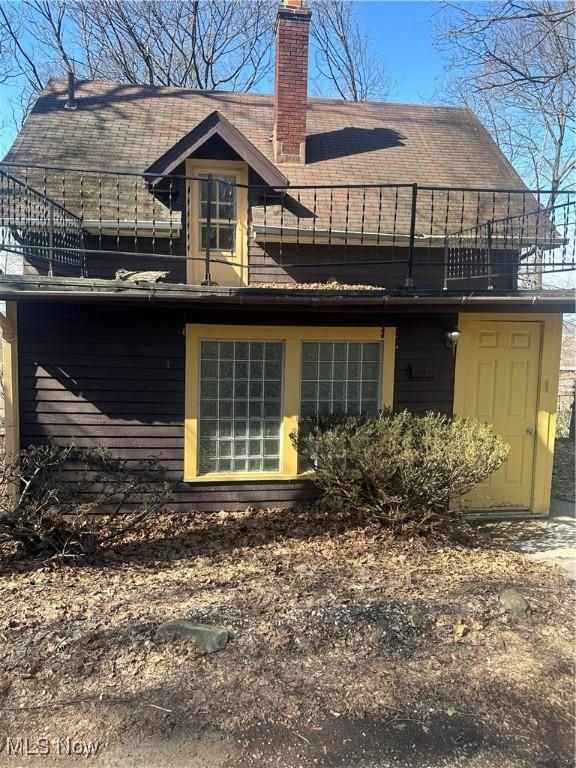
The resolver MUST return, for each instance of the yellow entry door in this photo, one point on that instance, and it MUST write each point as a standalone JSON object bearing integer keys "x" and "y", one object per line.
{"x": 497, "y": 383}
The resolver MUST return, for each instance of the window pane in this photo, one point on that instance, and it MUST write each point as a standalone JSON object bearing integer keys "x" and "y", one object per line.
{"x": 226, "y": 236}
{"x": 257, "y": 350}
{"x": 213, "y": 236}
{"x": 209, "y": 369}
{"x": 203, "y": 191}
{"x": 206, "y": 464}
{"x": 211, "y": 350}
{"x": 273, "y": 351}
{"x": 241, "y": 369}
{"x": 309, "y": 390}
{"x": 209, "y": 388}
{"x": 242, "y": 350}
{"x": 208, "y": 428}
{"x": 225, "y": 408}
{"x": 371, "y": 352}
{"x": 340, "y": 351}
{"x": 241, "y": 389}
{"x": 226, "y": 211}
{"x": 226, "y": 350}
{"x": 370, "y": 371}
{"x": 204, "y": 211}
{"x": 232, "y": 428}
{"x": 226, "y": 191}
{"x": 226, "y": 389}
{"x": 256, "y": 379}
{"x": 346, "y": 378}
{"x": 256, "y": 408}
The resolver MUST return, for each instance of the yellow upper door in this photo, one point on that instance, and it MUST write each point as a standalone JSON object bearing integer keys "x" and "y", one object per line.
{"x": 217, "y": 215}
{"x": 497, "y": 383}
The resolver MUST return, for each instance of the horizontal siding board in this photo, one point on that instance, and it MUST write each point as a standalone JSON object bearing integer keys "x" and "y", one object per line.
{"x": 95, "y": 384}
{"x": 111, "y": 347}
{"x": 105, "y": 430}
{"x": 120, "y": 452}
{"x": 85, "y": 358}
{"x": 170, "y": 446}
{"x": 146, "y": 411}
{"x": 75, "y": 420}
{"x": 261, "y": 493}
{"x": 101, "y": 398}
{"x": 81, "y": 373}
{"x": 136, "y": 463}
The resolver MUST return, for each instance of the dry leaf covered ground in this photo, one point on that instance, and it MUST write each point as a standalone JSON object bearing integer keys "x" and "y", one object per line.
{"x": 339, "y": 633}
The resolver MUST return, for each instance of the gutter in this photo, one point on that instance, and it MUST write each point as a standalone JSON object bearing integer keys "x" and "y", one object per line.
{"x": 273, "y": 297}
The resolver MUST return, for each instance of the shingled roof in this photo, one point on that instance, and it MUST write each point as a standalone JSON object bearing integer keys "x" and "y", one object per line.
{"x": 127, "y": 128}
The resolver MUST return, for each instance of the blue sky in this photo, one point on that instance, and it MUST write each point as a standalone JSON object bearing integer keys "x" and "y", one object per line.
{"x": 401, "y": 32}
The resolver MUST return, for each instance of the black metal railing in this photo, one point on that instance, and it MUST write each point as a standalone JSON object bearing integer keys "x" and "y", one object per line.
{"x": 33, "y": 223}
{"x": 213, "y": 230}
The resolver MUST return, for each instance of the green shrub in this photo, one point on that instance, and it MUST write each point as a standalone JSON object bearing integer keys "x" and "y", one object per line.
{"x": 402, "y": 467}
{"x": 47, "y": 510}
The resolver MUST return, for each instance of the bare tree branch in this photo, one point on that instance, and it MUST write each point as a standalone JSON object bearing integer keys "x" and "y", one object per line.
{"x": 205, "y": 45}
{"x": 513, "y": 62}
{"x": 343, "y": 53}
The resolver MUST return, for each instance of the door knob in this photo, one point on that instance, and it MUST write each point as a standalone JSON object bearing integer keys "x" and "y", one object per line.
{"x": 531, "y": 431}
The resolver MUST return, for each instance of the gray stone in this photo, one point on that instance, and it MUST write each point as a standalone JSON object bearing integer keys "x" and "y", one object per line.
{"x": 419, "y": 618}
{"x": 132, "y": 276}
{"x": 513, "y": 602}
{"x": 207, "y": 637}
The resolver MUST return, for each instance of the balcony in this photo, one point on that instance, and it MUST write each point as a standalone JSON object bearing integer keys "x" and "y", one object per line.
{"x": 211, "y": 231}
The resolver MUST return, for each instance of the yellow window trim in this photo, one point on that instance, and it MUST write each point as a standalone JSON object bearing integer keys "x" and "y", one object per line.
{"x": 292, "y": 338}
{"x": 9, "y": 324}
{"x": 547, "y": 398}
{"x": 195, "y": 269}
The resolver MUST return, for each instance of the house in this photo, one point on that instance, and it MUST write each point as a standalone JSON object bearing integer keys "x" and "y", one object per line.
{"x": 200, "y": 269}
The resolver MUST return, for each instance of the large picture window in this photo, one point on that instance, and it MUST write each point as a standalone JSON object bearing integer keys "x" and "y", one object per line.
{"x": 247, "y": 386}
{"x": 240, "y": 406}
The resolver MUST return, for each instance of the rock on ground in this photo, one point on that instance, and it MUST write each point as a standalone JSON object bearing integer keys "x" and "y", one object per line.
{"x": 207, "y": 638}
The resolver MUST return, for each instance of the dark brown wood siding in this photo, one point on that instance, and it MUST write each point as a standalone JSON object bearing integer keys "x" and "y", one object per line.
{"x": 103, "y": 375}
{"x": 369, "y": 265}
{"x": 424, "y": 376}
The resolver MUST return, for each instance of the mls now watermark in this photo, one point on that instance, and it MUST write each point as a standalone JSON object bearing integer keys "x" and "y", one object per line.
{"x": 14, "y": 746}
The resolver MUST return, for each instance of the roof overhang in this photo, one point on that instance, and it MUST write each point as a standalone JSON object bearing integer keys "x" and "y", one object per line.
{"x": 378, "y": 300}
{"x": 216, "y": 125}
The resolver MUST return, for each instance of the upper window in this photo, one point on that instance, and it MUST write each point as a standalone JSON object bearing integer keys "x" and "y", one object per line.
{"x": 223, "y": 219}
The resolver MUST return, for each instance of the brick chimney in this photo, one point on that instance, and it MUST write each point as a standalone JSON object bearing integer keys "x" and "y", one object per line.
{"x": 291, "y": 82}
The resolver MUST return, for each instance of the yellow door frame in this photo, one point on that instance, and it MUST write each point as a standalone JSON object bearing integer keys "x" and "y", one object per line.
{"x": 195, "y": 268}
{"x": 9, "y": 324}
{"x": 547, "y": 397}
